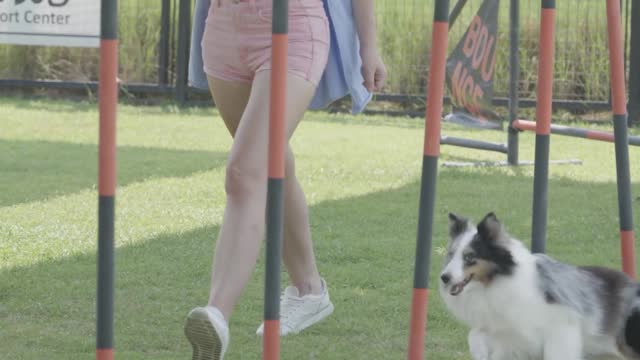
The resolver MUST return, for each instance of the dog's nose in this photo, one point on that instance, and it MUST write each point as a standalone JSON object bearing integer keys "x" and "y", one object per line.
{"x": 445, "y": 278}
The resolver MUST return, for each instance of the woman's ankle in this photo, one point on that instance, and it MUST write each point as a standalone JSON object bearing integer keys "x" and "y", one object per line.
{"x": 314, "y": 286}
{"x": 225, "y": 311}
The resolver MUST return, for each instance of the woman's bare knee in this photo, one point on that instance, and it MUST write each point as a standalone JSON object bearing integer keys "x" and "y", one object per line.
{"x": 245, "y": 182}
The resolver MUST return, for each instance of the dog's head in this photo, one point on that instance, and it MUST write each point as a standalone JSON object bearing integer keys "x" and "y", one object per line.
{"x": 475, "y": 253}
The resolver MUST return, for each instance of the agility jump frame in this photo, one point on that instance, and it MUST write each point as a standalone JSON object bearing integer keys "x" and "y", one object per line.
{"x": 526, "y": 125}
{"x": 419, "y": 306}
{"x": 517, "y": 125}
{"x": 511, "y": 148}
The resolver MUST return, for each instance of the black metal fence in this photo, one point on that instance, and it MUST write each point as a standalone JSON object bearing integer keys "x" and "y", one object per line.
{"x": 155, "y": 45}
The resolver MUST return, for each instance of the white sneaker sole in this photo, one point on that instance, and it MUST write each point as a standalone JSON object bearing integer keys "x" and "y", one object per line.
{"x": 203, "y": 337}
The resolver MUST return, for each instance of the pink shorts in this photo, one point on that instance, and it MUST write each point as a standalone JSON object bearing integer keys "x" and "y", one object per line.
{"x": 237, "y": 39}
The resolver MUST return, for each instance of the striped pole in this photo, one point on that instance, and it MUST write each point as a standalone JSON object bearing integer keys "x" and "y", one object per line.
{"x": 473, "y": 144}
{"x": 634, "y": 71}
{"x": 618, "y": 101}
{"x": 543, "y": 126}
{"x": 275, "y": 200}
{"x": 575, "y": 132}
{"x": 514, "y": 80}
{"x": 455, "y": 12}
{"x": 108, "y": 92}
{"x": 431, "y": 151}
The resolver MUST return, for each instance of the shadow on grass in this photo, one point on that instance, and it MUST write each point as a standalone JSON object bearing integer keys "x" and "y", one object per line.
{"x": 365, "y": 248}
{"x": 37, "y": 170}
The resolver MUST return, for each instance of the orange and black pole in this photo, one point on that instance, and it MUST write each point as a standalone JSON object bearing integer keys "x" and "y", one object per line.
{"x": 598, "y": 135}
{"x": 275, "y": 186}
{"x": 431, "y": 152}
{"x": 108, "y": 98}
{"x": 618, "y": 102}
{"x": 543, "y": 126}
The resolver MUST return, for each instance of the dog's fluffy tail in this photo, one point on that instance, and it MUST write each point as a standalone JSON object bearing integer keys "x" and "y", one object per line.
{"x": 632, "y": 326}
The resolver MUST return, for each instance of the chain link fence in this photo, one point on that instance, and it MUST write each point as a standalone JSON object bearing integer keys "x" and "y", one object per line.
{"x": 140, "y": 50}
{"x": 149, "y": 51}
{"x": 581, "y": 56}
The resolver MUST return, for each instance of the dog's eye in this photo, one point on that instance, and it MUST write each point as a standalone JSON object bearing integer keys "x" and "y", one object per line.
{"x": 468, "y": 258}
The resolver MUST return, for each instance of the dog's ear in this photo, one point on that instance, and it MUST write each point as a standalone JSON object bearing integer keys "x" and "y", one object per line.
{"x": 457, "y": 225}
{"x": 490, "y": 229}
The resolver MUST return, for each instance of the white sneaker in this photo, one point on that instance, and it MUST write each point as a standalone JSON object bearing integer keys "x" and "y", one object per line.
{"x": 298, "y": 313}
{"x": 208, "y": 332}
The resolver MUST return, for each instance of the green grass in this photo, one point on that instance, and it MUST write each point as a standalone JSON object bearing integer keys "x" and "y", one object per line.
{"x": 361, "y": 177}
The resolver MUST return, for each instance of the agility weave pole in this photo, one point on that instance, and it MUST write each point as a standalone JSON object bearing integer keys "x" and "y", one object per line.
{"x": 431, "y": 152}
{"x": 619, "y": 107}
{"x": 620, "y": 135}
{"x": 275, "y": 186}
{"x": 108, "y": 99}
{"x": 544, "y": 98}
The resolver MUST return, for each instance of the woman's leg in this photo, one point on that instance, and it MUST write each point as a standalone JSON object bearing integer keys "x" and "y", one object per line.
{"x": 297, "y": 251}
{"x": 242, "y": 228}
{"x": 231, "y": 100}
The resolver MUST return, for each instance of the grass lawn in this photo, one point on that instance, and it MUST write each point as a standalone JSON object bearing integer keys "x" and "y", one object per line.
{"x": 361, "y": 176}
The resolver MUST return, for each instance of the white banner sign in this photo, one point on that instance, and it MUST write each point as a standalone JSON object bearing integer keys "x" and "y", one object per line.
{"x": 73, "y": 23}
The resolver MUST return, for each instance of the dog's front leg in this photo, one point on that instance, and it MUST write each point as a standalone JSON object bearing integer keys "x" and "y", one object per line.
{"x": 479, "y": 344}
{"x": 563, "y": 343}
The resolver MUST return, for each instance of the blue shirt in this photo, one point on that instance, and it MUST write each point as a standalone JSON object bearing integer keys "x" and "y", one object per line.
{"x": 342, "y": 75}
